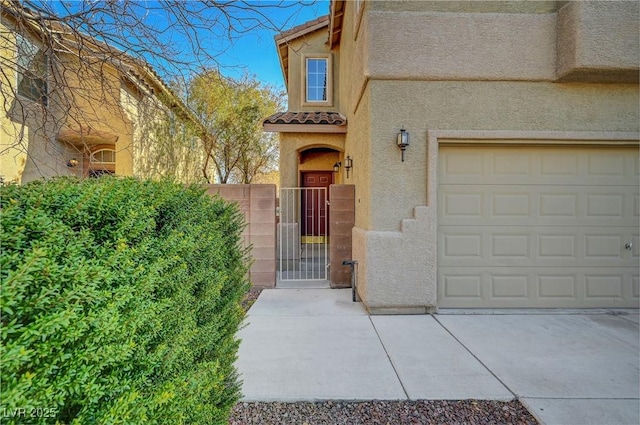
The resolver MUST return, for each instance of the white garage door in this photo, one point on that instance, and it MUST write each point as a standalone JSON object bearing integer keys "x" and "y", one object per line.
{"x": 538, "y": 226}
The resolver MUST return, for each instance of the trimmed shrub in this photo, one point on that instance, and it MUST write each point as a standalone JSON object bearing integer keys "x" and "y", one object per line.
{"x": 120, "y": 302}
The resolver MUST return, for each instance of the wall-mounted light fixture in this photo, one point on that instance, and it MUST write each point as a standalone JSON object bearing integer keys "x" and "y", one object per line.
{"x": 402, "y": 141}
{"x": 348, "y": 164}
{"x": 336, "y": 167}
{"x": 72, "y": 163}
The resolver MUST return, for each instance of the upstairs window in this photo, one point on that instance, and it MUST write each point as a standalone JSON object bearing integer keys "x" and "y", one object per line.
{"x": 316, "y": 80}
{"x": 32, "y": 70}
{"x": 318, "y": 84}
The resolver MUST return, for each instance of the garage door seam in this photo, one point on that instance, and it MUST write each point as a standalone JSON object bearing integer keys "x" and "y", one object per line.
{"x": 474, "y": 356}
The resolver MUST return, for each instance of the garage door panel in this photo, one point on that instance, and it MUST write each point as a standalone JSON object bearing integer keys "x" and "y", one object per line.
{"x": 509, "y": 205}
{"x": 567, "y": 287}
{"x": 464, "y": 245}
{"x": 559, "y": 205}
{"x": 462, "y": 204}
{"x": 558, "y": 246}
{"x": 609, "y": 205}
{"x": 572, "y": 165}
{"x": 551, "y": 287}
{"x": 604, "y": 286}
{"x": 509, "y": 245}
{"x": 522, "y": 246}
{"x": 560, "y": 165}
{"x": 511, "y": 286}
{"x": 538, "y": 226}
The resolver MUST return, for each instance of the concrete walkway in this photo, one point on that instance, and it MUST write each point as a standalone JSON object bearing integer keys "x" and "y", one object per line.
{"x": 315, "y": 344}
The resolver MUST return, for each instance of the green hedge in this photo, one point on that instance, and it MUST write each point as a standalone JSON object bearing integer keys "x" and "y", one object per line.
{"x": 120, "y": 302}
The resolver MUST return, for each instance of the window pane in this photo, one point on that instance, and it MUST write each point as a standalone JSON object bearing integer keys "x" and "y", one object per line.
{"x": 312, "y": 65}
{"x": 32, "y": 70}
{"x": 313, "y": 80}
{"x": 316, "y": 80}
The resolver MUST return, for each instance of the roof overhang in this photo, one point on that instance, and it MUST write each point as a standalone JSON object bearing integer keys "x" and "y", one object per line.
{"x": 87, "y": 136}
{"x": 335, "y": 22}
{"x": 305, "y": 128}
{"x": 282, "y": 41}
{"x": 306, "y": 122}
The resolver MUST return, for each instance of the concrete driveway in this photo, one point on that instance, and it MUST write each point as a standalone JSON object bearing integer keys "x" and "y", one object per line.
{"x": 566, "y": 367}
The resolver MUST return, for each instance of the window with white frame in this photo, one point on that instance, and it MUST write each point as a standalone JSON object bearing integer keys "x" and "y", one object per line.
{"x": 32, "y": 66}
{"x": 317, "y": 90}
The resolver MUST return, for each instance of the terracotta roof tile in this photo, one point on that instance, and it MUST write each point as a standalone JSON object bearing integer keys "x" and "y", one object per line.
{"x": 330, "y": 118}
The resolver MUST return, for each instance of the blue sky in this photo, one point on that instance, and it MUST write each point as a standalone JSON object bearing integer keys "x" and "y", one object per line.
{"x": 250, "y": 49}
{"x": 257, "y": 51}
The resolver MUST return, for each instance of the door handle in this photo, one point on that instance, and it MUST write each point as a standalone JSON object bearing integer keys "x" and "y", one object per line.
{"x": 628, "y": 246}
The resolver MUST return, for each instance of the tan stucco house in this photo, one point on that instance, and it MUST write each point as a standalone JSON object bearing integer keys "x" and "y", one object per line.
{"x": 519, "y": 183}
{"x": 75, "y": 106}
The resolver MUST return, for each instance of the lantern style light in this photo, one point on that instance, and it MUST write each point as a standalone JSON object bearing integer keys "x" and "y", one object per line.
{"x": 402, "y": 141}
{"x": 348, "y": 164}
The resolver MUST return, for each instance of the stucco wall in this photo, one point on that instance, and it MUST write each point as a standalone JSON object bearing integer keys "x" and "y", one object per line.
{"x": 466, "y": 6}
{"x": 11, "y": 163}
{"x": 598, "y": 41}
{"x": 420, "y": 106}
{"x": 462, "y": 46}
{"x": 24, "y": 145}
{"x": 290, "y": 146}
{"x": 311, "y": 43}
{"x": 581, "y": 41}
{"x": 396, "y": 270}
{"x": 495, "y": 71}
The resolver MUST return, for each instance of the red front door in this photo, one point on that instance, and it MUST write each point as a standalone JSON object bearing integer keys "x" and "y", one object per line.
{"x": 315, "y": 208}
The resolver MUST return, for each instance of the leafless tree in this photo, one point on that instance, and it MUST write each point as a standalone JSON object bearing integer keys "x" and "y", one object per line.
{"x": 70, "y": 71}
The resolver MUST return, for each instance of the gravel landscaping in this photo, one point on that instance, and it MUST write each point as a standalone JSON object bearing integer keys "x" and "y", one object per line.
{"x": 250, "y": 298}
{"x": 480, "y": 412}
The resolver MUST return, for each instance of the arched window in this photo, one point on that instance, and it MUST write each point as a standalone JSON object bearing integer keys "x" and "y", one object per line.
{"x": 102, "y": 161}
{"x": 103, "y": 156}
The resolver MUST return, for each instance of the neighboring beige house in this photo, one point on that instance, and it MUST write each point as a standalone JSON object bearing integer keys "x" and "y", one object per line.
{"x": 519, "y": 185}
{"x": 75, "y": 106}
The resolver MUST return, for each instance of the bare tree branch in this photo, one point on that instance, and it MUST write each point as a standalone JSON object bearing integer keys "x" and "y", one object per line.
{"x": 95, "y": 66}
